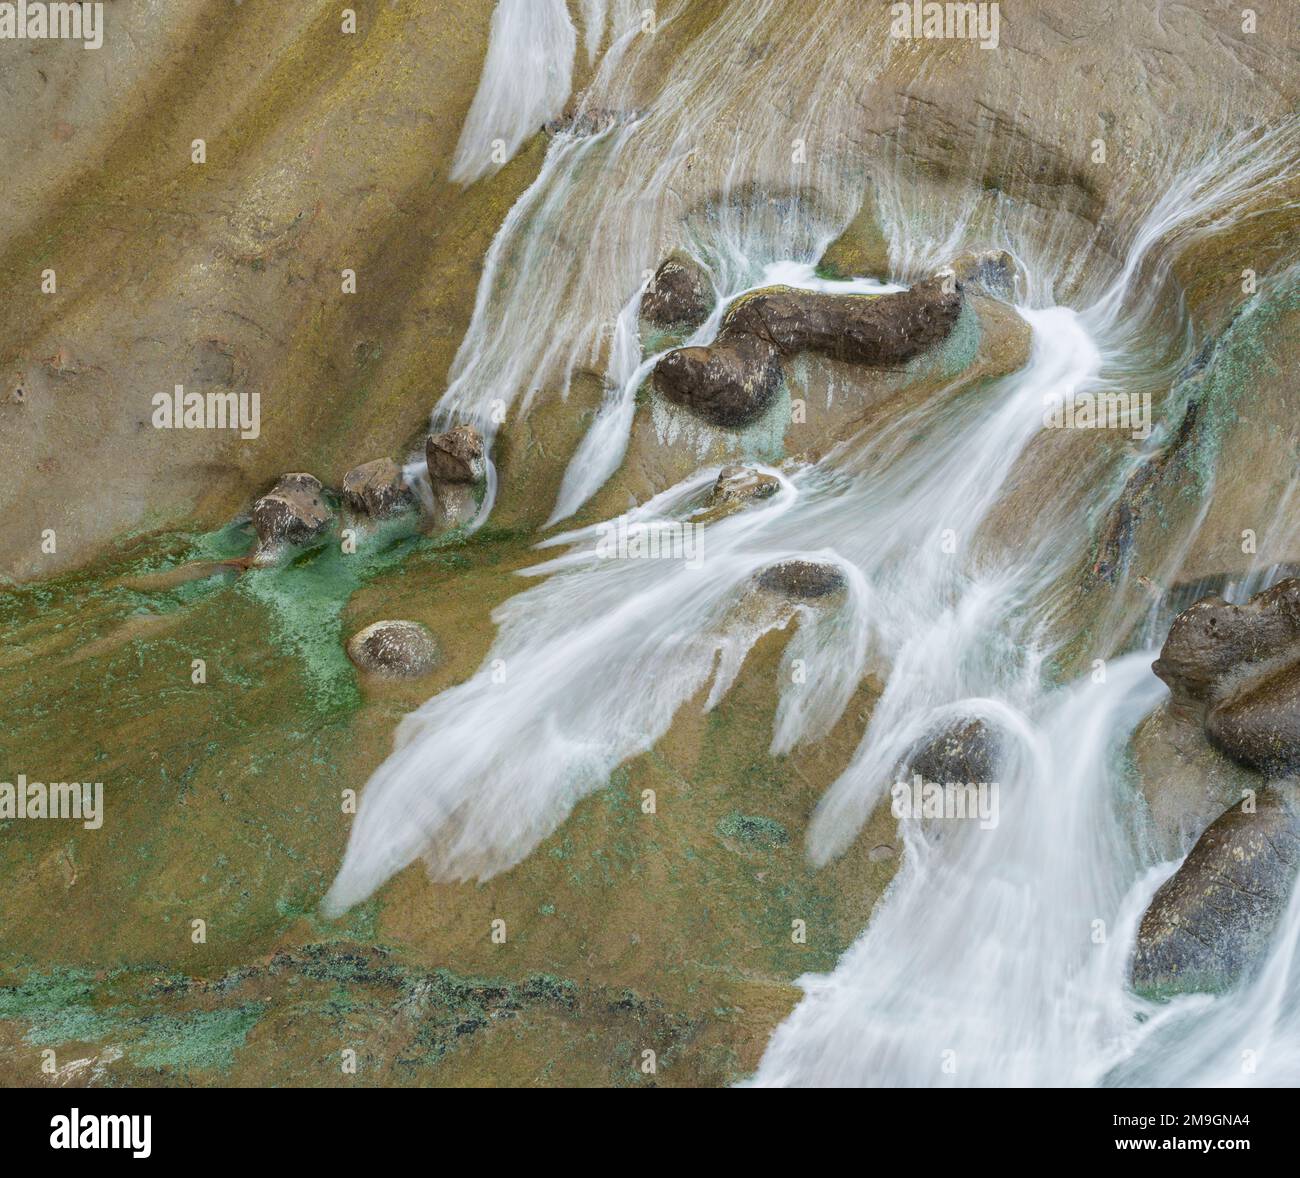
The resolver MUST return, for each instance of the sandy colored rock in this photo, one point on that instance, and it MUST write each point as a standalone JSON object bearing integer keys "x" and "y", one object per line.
{"x": 455, "y": 456}
{"x": 292, "y": 512}
{"x": 377, "y": 489}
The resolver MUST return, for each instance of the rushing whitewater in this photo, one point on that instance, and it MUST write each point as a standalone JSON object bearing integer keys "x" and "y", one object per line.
{"x": 997, "y": 956}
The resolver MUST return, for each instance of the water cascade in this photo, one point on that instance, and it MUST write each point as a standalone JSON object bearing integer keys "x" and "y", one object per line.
{"x": 981, "y": 965}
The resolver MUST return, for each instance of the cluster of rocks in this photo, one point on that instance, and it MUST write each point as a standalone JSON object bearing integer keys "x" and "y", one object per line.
{"x": 738, "y": 486}
{"x": 1235, "y": 669}
{"x": 731, "y": 382}
{"x": 298, "y": 511}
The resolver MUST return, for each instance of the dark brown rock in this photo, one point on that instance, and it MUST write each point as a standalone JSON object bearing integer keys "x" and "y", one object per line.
{"x": 1212, "y": 921}
{"x": 734, "y": 380}
{"x": 801, "y": 578}
{"x": 729, "y": 384}
{"x": 294, "y": 511}
{"x": 397, "y": 650}
{"x": 679, "y": 296}
{"x": 1212, "y": 643}
{"x": 377, "y": 489}
{"x": 455, "y": 456}
{"x": 964, "y": 751}
{"x": 877, "y": 330}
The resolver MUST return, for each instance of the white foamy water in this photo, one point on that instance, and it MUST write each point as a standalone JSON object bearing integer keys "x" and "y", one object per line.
{"x": 983, "y": 963}
{"x": 979, "y": 966}
{"x": 526, "y": 81}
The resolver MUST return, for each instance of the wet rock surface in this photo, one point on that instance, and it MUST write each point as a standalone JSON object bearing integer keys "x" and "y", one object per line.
{"x": 679, "y": 296}
{"x": 732, "y": 382}
{"x": 1210, "y": 923}
{"x": 377, "y": 489}
{"x": 394, "y": 649}
{"x": 729, "y": 384}
{"x": 803, "y": 579}
{"x": 964, "y": 751}
{"x": 741, "y": 484}
{"x": 990, "y": 272}
{"x": 860, "y": 329}
{"x": 455, "y": 456}
{"x": 581, "y": 119}
{"x": 293, "y": 512}
{"x": 1185, "y": 781}
{"x": 1115, "y": 543}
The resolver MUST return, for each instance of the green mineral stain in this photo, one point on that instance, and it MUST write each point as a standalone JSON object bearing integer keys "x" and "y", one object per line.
{"x": 57, "y": 1007}
{"x": 76, "y": 1006}
{"x": 306, "y": 598}
{"x": 754, "y": 830}
{"x": 1245, "y": 351}
{"x": 202, "y": 1039}
{"x": 957, "y": 353}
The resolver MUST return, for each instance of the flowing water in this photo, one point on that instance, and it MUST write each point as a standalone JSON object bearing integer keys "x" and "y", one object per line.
{"x": 997, "y": 956}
